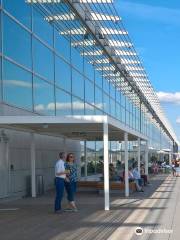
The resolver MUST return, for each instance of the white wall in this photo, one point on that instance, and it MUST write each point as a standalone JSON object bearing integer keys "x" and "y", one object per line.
{"x": 15, "y": 182}
{"x": 47, "y": 149}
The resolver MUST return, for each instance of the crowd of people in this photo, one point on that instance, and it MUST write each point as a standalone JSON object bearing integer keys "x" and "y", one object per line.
{"x": 134, "y": 175}
{"x": 66, "y": 178}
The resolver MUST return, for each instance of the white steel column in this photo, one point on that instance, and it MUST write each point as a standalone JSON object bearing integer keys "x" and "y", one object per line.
{"x": 169, "y": 158}
{"x": 33, "y": 166}
{"x": 106, "y": 166}
{"x": 139, "y": 153}
{"x": 146, "y": 157}
{"x": 126, "y": 164}
{"x": 85, "y": 158}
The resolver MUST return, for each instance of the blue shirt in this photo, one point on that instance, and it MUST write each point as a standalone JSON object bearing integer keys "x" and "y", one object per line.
{"x": 72, "y": 167}
{"x": 136, "y": 174}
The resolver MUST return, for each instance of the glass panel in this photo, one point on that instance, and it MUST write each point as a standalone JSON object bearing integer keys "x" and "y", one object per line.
{"x": 89, "y": 91}
{"x": 42, "y": 28}
{"x": 77, "y": 84}
{"x": 106, "y": 85}
{"x": 76, "y": 59}
{"x": 62, "y": 45}
{"x": 20, "y": 10}
{"x": 98, "y": 111}
{"x": 89, "y": 109}
{"x": 123, "y": 114}
{"x": 98, "y": 98}
{"x": 91, "y": 159}
{"x": 1, "y": 28}
{"x": 112, "y": 107}
{"x": 99, "y": 157}
{"x": 98, "y": 78}
{"x": 106, "y": 103}
{"x": 118, "y": 98}
{"x": 88, "y": 70}
{"x": 118, "y": 111}
{"x": 43, "y": 60}
{"x": 112, "y": 91}
{"x": 122, "y": 100}
{"x": 127, "y": 117}
{"x": 43, "y": 97}
{"x": 62, "y": 74}
{"x": 1, "y": 79}
{"x": 17, "y": 86}
{"x": 77, "y": 106}
{"x": 16, "y": 42}
{"x": 63, "y": 103}
{"x": 82, "y": 163}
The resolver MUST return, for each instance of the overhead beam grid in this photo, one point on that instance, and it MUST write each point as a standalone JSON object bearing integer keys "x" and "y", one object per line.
{"x": 97, "y": 31}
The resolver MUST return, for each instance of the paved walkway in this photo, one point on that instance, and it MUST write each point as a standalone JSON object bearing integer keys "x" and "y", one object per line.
{"x": 157, "y": 209}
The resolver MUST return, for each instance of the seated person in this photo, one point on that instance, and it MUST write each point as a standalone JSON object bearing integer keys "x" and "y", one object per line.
{"x": 143, "y": 175}
{"x": 155, "y": 168}
{"x": 138, "y": 180}
{"x": 130, "y": 175}
{"x": 173, "y": 168}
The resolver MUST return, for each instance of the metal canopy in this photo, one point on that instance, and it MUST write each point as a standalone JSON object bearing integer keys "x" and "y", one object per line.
{"x": 74, "y": 127}
{"x": 98, "y": 24}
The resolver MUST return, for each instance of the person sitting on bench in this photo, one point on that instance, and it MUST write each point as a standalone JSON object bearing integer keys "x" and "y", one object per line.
{"x": 138, "y": 180}
{"x": 130, "y": 175}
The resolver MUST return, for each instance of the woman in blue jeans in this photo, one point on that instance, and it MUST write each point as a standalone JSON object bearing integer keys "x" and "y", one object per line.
{"x": 71, "y": 182}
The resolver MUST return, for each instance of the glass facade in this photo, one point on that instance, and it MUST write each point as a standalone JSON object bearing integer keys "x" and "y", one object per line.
{"x": 44, "y": 70}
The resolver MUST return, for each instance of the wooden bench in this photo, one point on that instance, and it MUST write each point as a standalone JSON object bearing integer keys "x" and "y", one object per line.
{"x": 87, "y": 185}
{"x": 99, "y": 186}
{"x": 116, "y": 186}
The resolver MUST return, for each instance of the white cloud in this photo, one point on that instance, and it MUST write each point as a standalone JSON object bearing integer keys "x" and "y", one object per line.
{"x": 178, "y": 120}
{"x": 51, "y": 106}
{"x": 78, "y": 105}
{"x": 168, "y": 97}
{"x": 20, "y": 83}
{"x": 39, "y": 107}
{"x": 65, "y": 106}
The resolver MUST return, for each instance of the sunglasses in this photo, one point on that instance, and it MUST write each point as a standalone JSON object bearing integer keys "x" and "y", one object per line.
{"x": 71, "y": 156}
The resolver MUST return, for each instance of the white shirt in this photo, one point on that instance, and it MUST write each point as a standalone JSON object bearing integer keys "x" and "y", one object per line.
{"x": 59, "y": 167}
{"x": 136, "y": 174}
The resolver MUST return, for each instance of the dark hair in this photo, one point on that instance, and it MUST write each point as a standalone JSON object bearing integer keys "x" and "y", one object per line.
{"x": 61, "y": 154}
{"x": 68, "y": 156}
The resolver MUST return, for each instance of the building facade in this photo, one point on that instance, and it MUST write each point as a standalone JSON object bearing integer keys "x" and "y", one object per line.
{"x": 49, "y": 65}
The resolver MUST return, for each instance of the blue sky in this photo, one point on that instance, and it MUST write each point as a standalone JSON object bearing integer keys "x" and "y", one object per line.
{"x": 154, "y": 27}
